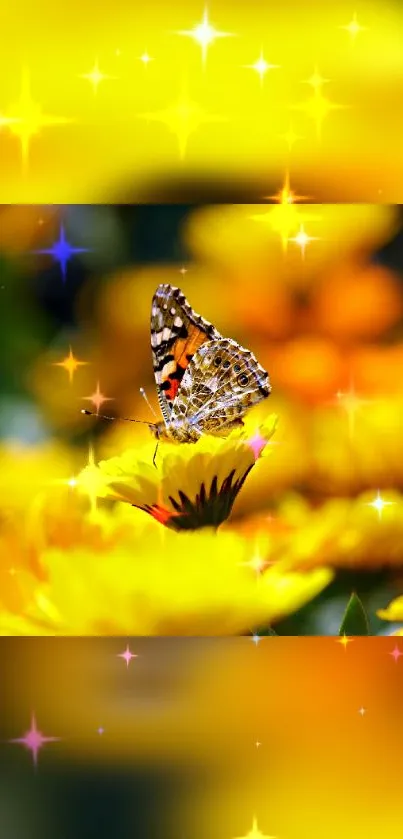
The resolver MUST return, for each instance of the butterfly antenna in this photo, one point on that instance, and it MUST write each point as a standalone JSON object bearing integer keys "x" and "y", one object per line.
{"x": 144, "y": 395}
{"x": 123, "y": 419}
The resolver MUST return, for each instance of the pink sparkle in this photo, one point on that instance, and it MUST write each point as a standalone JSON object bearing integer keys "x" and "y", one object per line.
{"x": 33, "y": 740}
{"x": 97, "y": 398}
{"x": 257, "y": 444}
{"x": 396, "y": 653}
{"x": 127, "y": 655}
{"x": 101, "y": 730}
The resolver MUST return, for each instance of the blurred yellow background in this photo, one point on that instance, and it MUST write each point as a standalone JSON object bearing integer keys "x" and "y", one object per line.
{"x": 302, "y": 734}
{"x": 99, "y": 107}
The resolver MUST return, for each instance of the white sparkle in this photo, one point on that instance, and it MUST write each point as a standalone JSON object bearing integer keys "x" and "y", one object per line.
{"x": 261, "y": 66}
{"x": 145, "y": 58}
{"x": 379, "y": 504}
{"x": 205, "y": 34}
{"x": 302, "y": 240}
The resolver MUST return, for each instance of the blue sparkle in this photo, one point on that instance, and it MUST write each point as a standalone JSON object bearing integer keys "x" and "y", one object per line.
{"x": 62, "y": 251}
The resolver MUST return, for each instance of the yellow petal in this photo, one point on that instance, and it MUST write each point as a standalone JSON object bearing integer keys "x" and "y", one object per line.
{"x": 394, "y": 612}
{"x": 197, "y": 583}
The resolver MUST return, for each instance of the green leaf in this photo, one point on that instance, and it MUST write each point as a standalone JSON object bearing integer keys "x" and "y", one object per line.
{"x": 355, "y": 621}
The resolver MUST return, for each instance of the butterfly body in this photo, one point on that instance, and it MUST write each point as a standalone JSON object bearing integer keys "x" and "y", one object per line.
{"x": 179, "y": 432}
{"x": 205, "y": 382}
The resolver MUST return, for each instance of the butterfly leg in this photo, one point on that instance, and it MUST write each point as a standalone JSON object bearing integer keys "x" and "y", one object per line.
{"x": 155, "y": 455}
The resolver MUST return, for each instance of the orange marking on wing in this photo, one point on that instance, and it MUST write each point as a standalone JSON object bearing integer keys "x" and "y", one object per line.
{"x": 173, "y": 389}
{"x": 188, "y": 346}
{"x": 181, "y": 349}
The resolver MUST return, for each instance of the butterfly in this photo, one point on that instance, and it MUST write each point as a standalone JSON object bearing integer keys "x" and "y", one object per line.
{"x": 205, "y": 382}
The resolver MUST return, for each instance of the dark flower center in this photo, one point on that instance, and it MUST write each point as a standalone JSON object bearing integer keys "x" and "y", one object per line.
{"x": 211, "y": 507}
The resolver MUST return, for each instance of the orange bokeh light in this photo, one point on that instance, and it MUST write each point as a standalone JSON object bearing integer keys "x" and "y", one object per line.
{"x": 358, "y": 301}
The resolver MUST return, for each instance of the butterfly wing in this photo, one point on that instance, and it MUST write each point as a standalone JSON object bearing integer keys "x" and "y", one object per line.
{"x": 222, "y": 381}
{"x": 177, "y": 333}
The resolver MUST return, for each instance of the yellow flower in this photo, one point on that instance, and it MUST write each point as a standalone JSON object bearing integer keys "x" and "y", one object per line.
{"x": 194, "y": 484}
{"x": 393, "y": 612}
{"x": 57, "y": 520}
{"x": 164, "y": 583}
{"x": 27, "y": 471}
{"x": 340, "y": 533}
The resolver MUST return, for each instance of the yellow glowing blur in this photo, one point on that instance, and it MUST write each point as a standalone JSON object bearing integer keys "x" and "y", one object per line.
{"x": 60, "y": 143}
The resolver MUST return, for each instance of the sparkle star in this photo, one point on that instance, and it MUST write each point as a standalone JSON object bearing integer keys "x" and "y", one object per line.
{"x": 204, "y": 34}
{"x": 316, "y": 80}
{"x": 257, "y": 443}
{"x": 286, "y": 195}
{"x": 344, "y": 641}
{"x": 285, "y": 218}
{"x": 93, "y": 483}
{"x": 290, "y": 138}
{"x": 33, "y": 740}
{"x": 362, "y": 711}
{"x": 257, "y": 564}
{"x": 255, "y": 833}
{"x": 182, "y": 118}
{"x": 72, "y": 483}
{"x": 145, "y": 58}
{"x": 353, "y": 28}
{"x": 61, "y": 251}
{"x": 318, "y": 106}
{"x": 25, "y": 118}
{"x": 396, "y": 653}
{"x": 127, "y": 655}
{"x": 95, "y": 77}
{"x": 255, "y": 639}
{"x": 379, "y": 504}
{"x": 351, "y": 403}
{"x": 70, "y": 364}
{"x": 261, "y": 67}
{"x": 302, "y": 240}
{"x": 91, "y": 480}
{"x": 98, "y": 398}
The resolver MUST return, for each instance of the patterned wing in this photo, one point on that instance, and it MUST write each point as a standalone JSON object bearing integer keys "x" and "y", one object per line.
{"x": 221, "y": 382}
{"x": 177, "y": 332}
